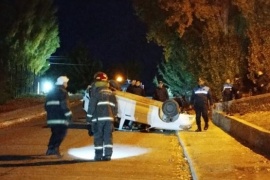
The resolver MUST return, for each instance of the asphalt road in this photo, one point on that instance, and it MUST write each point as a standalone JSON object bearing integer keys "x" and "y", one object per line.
{"x": 136, "y": 155}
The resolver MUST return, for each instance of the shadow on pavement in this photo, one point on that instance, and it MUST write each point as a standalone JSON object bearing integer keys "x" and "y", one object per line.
{"x": 52, "y": 160}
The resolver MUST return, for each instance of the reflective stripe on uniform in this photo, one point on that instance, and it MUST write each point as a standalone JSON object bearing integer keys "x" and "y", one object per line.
{"x": 89, "y": 115}
{"x": 103, "y": 119}
{"x": 201, "y": 92}
{"x": 98, "y": 147}
{"x": 106, "y": 103}
{"x": 57, "y": 121}
{"x": 49, "y": 103}
{"x": 68, "y": 113}
{"x": 108, "y": 146}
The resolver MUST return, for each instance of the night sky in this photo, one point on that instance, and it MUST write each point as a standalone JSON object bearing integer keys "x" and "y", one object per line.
{"x": 110, "y": 29}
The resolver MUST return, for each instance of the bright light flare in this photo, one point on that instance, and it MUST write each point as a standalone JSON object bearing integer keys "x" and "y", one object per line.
{"x": 119, "y": 152}
{"x": 47, "y": 86}
{"x": 119, "y": 79}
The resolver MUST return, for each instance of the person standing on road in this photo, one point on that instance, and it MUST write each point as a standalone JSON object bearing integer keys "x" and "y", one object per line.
{"x": 227, "y": 96}
{"x": 200, "y": 99}
{"x": 131, "y": 86}
{"x": 138, "y": 89}
{"x": 161, "y": 93}
{"x": 58, "y": 115}
{"x": 101, "y": 114}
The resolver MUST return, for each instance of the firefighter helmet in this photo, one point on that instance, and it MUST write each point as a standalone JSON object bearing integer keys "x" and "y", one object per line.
{"x": 101, "y": 76}
{"x": 61, "y": 80}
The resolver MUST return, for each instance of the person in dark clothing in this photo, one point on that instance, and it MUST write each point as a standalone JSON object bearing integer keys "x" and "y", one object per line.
{"x": 262, "y": 83}
{"x": 182, "y": 102}
{"x": 131, "y": 86}
{"x": 237, "y": 87}
{"x": 200, "y": 99}
{"x": 137, "y": 89}
{"x": 101, "y": 114}
{"x": 161, "y": 93}
{"x": 227, "y": 96}
{"x": 58, "y": 115}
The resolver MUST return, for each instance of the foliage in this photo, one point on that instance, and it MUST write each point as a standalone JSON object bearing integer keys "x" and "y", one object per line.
{"x": 176, "y": 76}
{"x": 29, "y": 37}
{"x": 220, "y": 38}
{"x": 257, "y": 15}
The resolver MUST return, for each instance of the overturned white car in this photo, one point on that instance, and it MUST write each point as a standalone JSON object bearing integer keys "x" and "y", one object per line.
{"x": 157, "y": 114}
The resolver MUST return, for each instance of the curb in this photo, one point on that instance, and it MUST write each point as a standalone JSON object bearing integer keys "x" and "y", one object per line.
{"x": 8, "y": 120}
{"x": 21, "y": 120}
{"x": 255, "y": 136}
{"x": 190, "y": 162}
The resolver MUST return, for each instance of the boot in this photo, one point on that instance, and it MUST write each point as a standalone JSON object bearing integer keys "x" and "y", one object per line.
{"x": 50, "y": 151}
{"x": 106, "y": 158}
{"x": 199, "y": 129}
{"x": 98, "y": 155}
{"x": 57, "y": 152}
{"x": 206, "y": 126}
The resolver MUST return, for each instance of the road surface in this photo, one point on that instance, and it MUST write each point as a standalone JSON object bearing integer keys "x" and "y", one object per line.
{"x": 136, "y": 155}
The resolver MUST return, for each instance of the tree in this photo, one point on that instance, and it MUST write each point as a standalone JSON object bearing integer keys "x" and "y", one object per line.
{"x": 257, "y": 15}
{"x": 30, "y": 38}
{"x": 174, "y": 52}
{"x": 214, "y": 47}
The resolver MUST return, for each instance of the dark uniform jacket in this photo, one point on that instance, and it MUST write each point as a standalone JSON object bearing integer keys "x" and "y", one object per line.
{"x": 200, "y": 96}
{"x": 161, "y": 94}
{"x": 262, "y": 83}
{"x": 103, "y": 104}
{"x": 138, "y": 90}
{"x": 227, "y": 92}
{"x": 237, "y": 89}
{"x": 57, "y": 107}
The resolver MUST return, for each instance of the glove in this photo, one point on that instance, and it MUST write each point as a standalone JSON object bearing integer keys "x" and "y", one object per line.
{"x": 69, "y": 119}
{"x": 116, "y": 120}
{"x": 89, "y": 118}
{"x": 89, "y": 128}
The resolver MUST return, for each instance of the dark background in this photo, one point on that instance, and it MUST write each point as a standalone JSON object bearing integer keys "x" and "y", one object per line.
{"x": 111, "y": 31}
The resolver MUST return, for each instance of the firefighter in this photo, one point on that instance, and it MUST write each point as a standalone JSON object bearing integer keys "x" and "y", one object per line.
{"x": 101, "y": 114}
{"x": 200, "y": 99}
{"x": 58, "y": 115}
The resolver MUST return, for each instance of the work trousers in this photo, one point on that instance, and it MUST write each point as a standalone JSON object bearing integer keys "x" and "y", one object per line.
{"x": 58, "y": 133}
{"x": 201, "y": 111}
{"x": 103, "y": 141}
{"x": 227, "y": 102}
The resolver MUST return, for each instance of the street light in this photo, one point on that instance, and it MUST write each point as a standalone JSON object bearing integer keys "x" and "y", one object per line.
{"x": 119, "y": 79}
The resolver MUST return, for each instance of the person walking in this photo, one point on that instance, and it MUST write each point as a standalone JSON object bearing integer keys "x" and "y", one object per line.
{"x": 161, "y": 93}
{"x": 200, "y": 100}
{"x": 101, "y": 114}
{"x": 227, "y": 96}
{"x": 58, "y": 115}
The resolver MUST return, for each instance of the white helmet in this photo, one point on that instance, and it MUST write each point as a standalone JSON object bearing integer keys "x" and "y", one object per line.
{"x": 61, "y": 80}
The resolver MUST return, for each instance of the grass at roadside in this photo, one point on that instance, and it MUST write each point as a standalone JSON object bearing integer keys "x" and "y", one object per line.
{"x": 28, "y": 101}
{"x": 21, "y": 102}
